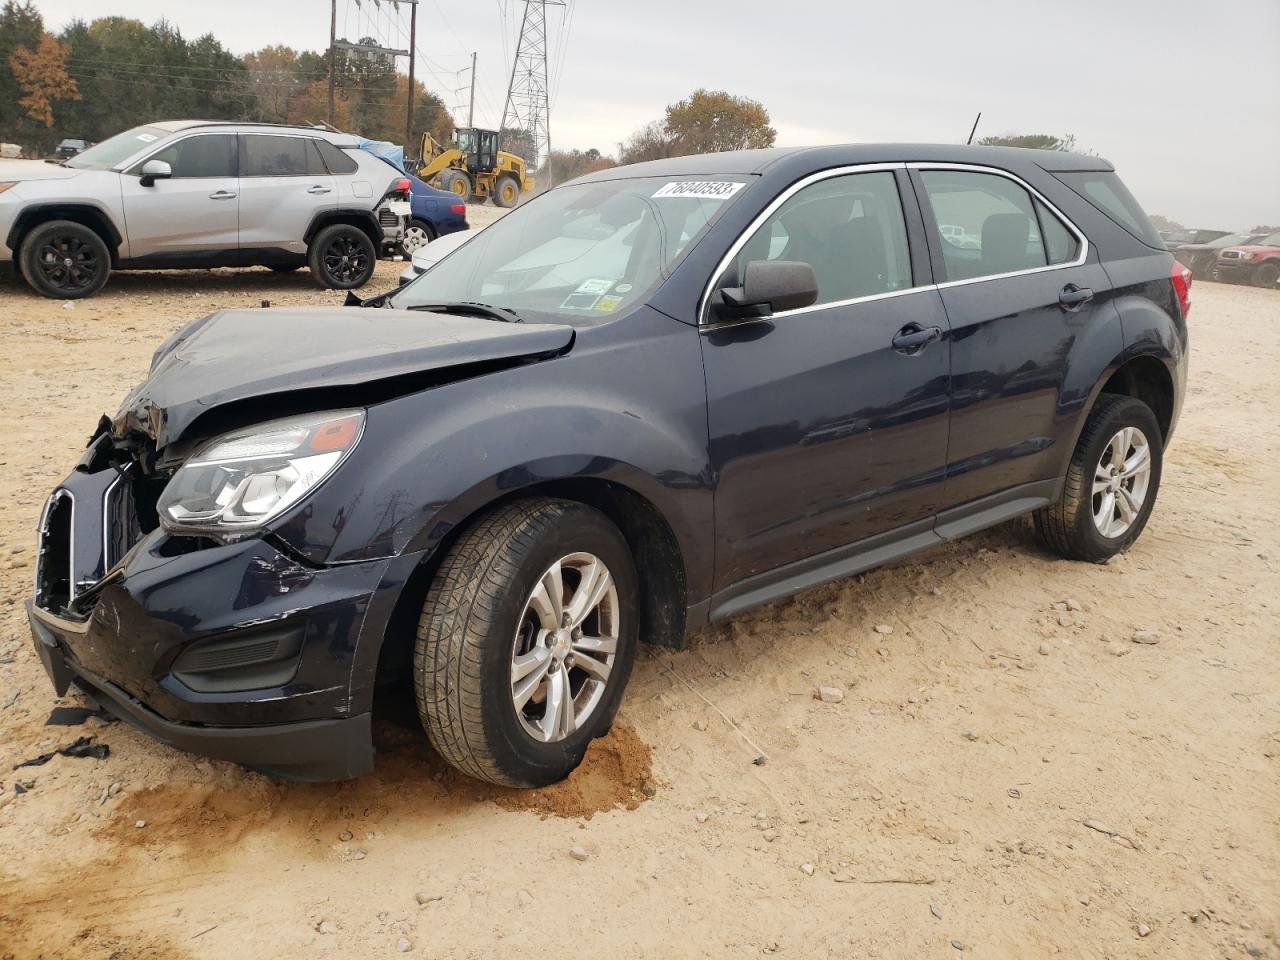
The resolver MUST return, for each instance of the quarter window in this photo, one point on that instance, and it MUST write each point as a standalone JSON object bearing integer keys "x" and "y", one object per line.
{"x": 850, "y": 229}
{"x": 336, "y": 160}
{"x": 272, "y": 156}
{"x": 207, "y": 155}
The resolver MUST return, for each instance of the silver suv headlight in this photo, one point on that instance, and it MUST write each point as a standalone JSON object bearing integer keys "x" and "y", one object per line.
{"x": 245, "y": 479}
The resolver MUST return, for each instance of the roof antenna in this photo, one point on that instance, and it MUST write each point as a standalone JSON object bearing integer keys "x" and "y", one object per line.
{"x": 975, "y": 128}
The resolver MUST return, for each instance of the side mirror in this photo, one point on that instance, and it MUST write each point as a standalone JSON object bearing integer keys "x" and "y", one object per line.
{"x": 768, "y": 287}
{"x": 154, "y": 170}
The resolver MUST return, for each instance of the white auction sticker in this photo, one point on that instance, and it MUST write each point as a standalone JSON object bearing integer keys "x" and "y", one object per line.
{"x": 147, "y": 137}
{"x": 701, "y": 189}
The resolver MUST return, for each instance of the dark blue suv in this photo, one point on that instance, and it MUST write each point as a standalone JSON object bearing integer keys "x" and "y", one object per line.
{"x": 643, "y": 401}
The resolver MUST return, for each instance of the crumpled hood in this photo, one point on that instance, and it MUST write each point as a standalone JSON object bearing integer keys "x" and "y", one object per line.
{"x": 18, "y": 170}
{"x": 246, "y": 355}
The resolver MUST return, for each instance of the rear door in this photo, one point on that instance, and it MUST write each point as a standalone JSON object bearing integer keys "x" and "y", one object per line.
{"x": 1021, "y": 295}
{"x": 284, "y": 183}
{"x": 192, "y": 215}
{"x": 825, "y": 428}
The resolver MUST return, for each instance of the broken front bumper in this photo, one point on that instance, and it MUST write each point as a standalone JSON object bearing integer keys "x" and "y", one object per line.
{"x": 235, "y": 651}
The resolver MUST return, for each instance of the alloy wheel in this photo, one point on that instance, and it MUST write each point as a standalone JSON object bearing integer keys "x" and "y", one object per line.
{"x": 565, "y": 646}
{"x": 1120, "y": 482}
{"x": 68, "y": 263}
{"x": 414, "y": 238}
{"x": 344, "y": 260}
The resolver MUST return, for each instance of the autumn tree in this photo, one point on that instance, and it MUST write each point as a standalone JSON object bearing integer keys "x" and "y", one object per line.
{"x": 1032, "y": 141}
{"x": 20, "y": 26}
{"x": 42, "y": 77}
{"x": 707, "y": 121}
{"x": 563, "y": 165}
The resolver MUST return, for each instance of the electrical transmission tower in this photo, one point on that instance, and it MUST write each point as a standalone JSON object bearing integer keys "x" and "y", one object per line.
{"x": 528, "y": 106}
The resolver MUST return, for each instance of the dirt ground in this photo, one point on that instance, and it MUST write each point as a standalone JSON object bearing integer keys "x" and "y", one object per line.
{"x": 1008, "y": 775}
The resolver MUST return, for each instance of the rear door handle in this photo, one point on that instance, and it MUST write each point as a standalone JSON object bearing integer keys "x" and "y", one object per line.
{"x": 913, "y": 338}
{"x": 318, "y": 189}
{"x": 1072, "y": 296}
{"x": 222, "y": 195}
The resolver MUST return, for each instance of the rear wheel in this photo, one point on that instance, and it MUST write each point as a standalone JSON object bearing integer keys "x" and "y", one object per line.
{"x": 457, "y": 182}
{"x": 64, "y": 260}
{"x": 506, "y": 192}
{"x": 341, "y": 257}
{"x": 416, "y": 235}
{"x": 526, "y": 642}
{"x": 1111, "y": 484}
{"x": 1267, "y": 275}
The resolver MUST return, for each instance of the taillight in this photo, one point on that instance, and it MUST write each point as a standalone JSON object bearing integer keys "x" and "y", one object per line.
{"x": 403, "y": 186}
{"x": 459, "y": 208}
{"x": 1181, "y": 278}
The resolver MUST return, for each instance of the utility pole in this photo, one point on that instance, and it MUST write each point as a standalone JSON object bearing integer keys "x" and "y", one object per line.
{"x": 528, "y": 104}
{"x": 333, "y": 35}
{"x": 471, "y": 103}
{"x": 413, "y": 46}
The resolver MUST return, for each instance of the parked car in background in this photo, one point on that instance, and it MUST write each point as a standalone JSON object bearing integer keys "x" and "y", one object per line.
{"x": 1200, "y": 257}
{"x": 429, "y": 254}
{"x": 1257, "y": 263}
{"x": 434, "y": 214}
{"x": 1174, "y": 239}
{"x": 647, "y": 399}
{"x": 194, "y": 193}
{"x": 10, "y": 151}
{"x": 69, "y": 148}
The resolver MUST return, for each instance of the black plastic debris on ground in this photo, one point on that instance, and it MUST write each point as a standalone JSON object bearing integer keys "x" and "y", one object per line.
{"x": 83, "y": 747}
{"x": 74, "y": 716}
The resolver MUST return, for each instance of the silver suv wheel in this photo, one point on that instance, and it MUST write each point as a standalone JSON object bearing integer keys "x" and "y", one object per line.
{"x": 1120, "y": 482}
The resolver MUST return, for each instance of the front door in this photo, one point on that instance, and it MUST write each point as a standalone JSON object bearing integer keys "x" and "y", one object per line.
{"x": 1022, "y": 298}
{"x": 191, "y": 216}
{"x": 823, "y": 430}
{"x": 284, "y": 183}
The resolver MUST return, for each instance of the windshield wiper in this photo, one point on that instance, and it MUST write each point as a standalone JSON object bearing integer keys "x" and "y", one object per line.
{"x": 469, "y": 308}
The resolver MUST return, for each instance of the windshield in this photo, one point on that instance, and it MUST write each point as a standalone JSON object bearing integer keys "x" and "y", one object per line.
{"x": 113, "y": 150}
{"x": 580, "y": 252}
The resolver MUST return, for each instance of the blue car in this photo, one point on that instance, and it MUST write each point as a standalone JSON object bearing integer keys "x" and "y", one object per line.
{"x": 433, "y": 214}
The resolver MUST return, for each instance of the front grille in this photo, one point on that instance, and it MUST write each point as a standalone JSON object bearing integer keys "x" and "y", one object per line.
{"x": 54, "y": 562}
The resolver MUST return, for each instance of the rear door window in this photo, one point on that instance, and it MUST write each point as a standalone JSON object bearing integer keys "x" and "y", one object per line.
{"x": 849, "y": 228}
{"x": 987, "y": 224}
{"x": 271, "y": 156}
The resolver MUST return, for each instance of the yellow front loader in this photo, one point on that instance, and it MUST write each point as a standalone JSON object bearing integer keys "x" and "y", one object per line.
{"x": 474, "y": 168}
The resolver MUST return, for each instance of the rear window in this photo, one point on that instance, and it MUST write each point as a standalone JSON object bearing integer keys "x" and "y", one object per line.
{"x": 335, "y": 159}
{"x": 1106, "y": 192}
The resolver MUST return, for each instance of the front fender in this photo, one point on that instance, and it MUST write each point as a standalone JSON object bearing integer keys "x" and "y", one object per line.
{"x": 627, "y": 405}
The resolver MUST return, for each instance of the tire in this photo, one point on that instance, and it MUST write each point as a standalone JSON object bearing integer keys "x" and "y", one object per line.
{"x": 64, "y": 260}
{"x": 416, "y": 235}
{"x": 458, "y": 183}
{"x": 481, "y": 614}
{"x": 341, "y": 257}
{"x": 1069, "y": 527}
{"x": 283, "y": 267}
{"x": 1267, "y": 275}
{"x": 506, "y": 192}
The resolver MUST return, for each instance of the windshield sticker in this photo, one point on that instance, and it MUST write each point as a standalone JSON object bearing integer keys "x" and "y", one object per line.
{"x": 701, "y": 189}
{"x": 579, "y": 301}
{"x": 147, "y": 137}
{"x": 594, "y": 286}
{"x": 622, "y": 288}
{"x": 607, "y": 304}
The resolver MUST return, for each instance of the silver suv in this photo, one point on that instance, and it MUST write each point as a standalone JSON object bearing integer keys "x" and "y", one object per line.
{"x": 194, "y": 193}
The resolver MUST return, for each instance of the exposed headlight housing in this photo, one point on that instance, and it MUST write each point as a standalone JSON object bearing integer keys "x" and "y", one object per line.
{"x": 1247, "y": 254}
{"x": 243, "y": 480}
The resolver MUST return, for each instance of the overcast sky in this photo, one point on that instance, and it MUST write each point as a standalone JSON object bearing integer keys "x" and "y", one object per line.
{"x": 1183, "y": 96}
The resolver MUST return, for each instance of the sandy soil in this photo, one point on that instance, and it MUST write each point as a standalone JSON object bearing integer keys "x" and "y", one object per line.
{"x": 996, "y": 711}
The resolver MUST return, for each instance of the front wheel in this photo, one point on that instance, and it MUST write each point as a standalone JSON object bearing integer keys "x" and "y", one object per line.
{"x": 64, "y": 260}
{"x": 416, "y": 236}
{"x": 1111, "y": 483}
{"x": 526, "y": 642}
{"x": 341, "y": 257}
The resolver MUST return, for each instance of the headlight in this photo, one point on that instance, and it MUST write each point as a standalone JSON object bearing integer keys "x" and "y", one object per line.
{"x": 1246, "y": 254}
{"x": 245, "y": 479}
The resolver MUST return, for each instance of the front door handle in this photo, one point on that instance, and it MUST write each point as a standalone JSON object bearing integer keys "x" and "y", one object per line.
{"x": 222, "y": 195}
{"x": 1073, "y": 297}
{"x": 913, "y": 338}
{"x": 318, "y": 189}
